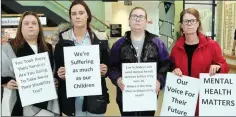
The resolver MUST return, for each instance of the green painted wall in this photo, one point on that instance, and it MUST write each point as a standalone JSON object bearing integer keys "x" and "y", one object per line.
{"x": 178, "y": 10}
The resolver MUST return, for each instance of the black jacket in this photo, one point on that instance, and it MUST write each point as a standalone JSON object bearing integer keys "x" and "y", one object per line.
{"x": 122, "y": 51}
{"x": 67, "y": 105}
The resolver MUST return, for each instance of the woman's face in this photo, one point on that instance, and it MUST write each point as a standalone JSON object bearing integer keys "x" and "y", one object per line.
{"x": 138, "y": 20}
{"x": 189, "y": 24}
{"x": 30, "y": 27}
{"x": 79, "y": 15}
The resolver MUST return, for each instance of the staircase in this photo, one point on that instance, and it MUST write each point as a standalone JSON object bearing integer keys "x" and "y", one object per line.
{"x": 56, "y": 11}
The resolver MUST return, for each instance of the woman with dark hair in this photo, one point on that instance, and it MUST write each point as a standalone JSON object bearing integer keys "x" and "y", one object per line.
{"x": 29, "y": 40}
{"x": 195, "y": 53}
{"x": 137, "y": 46}
{"x": 81, "y": 34}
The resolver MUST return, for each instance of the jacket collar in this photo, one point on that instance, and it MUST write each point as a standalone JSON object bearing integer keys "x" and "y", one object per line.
{"x": 25, "y": 50}
{"x": 148, "y": 36}
{"x": 67, "y": 35}
{"x": 203, "y": 40}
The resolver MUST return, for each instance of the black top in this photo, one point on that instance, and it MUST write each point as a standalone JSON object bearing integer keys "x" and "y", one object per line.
{"x": 189, "y": 51}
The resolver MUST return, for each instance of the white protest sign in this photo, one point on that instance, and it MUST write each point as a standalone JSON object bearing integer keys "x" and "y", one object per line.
{"x": 180, "y": 96}
{"x": 83, "y": 77}
{"x": 140, "y": 86}
{"x": 34, "y": 78}
{"x": 217, "y": 95}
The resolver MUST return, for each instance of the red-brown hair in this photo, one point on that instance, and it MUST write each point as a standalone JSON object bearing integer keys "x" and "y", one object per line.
{"x": 193, "y": 12}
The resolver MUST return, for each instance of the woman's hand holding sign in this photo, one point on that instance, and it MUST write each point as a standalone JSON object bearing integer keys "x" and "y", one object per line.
{"x": 11, "y": 85}
{"x": 158, "y": 86}
{"x": 103, "y": 69}
{"x": 120, "y": 84}
{"x": 61, "y": 73}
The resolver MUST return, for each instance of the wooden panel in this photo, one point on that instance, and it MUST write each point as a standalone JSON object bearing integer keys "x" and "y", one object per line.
{"x": 230, "y": 56}
{"x": 232, "y": 66}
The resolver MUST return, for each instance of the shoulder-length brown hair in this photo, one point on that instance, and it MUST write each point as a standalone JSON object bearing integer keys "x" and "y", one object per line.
{"x": 19, "y": 39}
{"x": 193, "y": 12}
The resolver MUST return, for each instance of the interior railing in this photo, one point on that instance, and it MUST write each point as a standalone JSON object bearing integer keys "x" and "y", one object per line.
{"x": 92, "y": 16}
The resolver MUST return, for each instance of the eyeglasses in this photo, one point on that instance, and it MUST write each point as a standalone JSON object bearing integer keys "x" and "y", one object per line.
{"x": 140, "y": 17}
{"x": 187, "y": 21}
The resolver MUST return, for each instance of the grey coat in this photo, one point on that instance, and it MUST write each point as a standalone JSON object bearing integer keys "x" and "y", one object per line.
{"x": 10, "y": 96}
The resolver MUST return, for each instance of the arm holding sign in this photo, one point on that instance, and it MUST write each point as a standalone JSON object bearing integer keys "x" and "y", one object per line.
{"x": 173, "y": 69}
{"x": 163, "y": 63}
{"x": 120, "y": 84}
{"x": 104, "y": 58}
{"x": 219, "y": 62}
{"x": 7, "y": 76}
{"x": 5, "y": 80}
{"x": 50, "y": 55}
{"x": 61, "y": 73}
{"x": 59, "y": 61}
{"x": 11, "y": 85}
{"x": 103, "y": 69}
{"x": 114, "y": 72}
{"x": 177, "y": 72}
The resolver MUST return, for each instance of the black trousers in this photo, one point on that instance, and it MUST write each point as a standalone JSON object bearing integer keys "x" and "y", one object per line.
{"x": 136, "y": 113}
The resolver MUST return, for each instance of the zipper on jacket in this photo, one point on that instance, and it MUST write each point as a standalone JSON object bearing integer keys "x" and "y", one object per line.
{"x": 132, "y": 47}
{"x": 135, "y": 53}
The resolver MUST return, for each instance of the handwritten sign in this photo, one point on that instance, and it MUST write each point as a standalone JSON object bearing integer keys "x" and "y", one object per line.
{"x": 34, "y": 78}
{"x": 83, "y": 77}
{"x": 180, "y": 96}
{"x": 140, "y": 85}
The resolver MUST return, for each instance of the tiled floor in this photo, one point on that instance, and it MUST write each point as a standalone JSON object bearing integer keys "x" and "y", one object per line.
{"x": 113, "y": 110}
